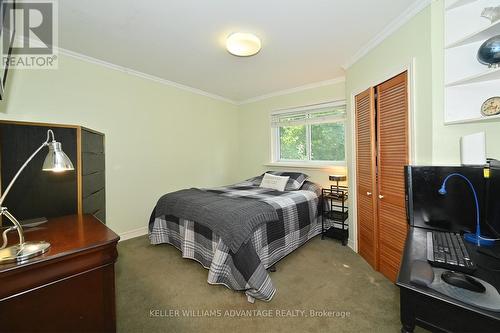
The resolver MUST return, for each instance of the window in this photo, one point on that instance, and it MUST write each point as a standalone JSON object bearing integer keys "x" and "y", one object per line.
{"x": 314, "y": 134}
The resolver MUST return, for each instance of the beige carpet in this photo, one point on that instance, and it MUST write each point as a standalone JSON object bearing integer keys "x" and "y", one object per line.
{"x": 321, "y": 287}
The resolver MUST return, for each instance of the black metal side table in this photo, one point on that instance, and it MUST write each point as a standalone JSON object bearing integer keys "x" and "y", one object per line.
{"x": 334, "y": 213}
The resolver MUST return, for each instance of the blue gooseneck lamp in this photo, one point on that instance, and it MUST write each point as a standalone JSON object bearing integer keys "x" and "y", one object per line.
{"x": 474, "y": 238}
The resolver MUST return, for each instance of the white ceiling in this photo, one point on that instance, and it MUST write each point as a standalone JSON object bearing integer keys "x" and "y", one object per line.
{"x": 303, "y": 41}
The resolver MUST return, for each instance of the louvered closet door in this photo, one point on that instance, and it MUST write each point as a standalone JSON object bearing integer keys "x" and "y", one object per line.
{"x": 392, "y": 124}
{"x": 365, "y": 176}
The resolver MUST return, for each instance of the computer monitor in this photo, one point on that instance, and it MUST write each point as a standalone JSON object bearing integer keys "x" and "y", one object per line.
{"x": 455, "y": 211}
{"x": 493, "y": 200}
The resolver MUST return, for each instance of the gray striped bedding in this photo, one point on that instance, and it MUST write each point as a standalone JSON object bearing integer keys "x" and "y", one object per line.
{"x": 246, "y": 270}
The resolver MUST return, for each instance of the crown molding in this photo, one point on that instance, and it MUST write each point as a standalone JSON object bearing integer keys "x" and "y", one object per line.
{"x": 293, "y": 90}
{"x": 392, "y": 27}
{"x": 411, "y": 11}
{"x": 127, "y": 70}
{"x": 157, "y": 79}
{"x": 143, "y": 75}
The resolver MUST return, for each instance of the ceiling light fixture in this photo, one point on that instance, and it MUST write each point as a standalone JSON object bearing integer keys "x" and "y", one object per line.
{"x": 243, "y": 44}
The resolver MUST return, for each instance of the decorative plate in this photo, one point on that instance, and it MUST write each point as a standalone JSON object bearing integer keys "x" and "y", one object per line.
{"x": 491, "y": 107}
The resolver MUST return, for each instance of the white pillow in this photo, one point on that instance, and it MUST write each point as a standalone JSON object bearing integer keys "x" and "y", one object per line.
{"x": 274, "y": 182}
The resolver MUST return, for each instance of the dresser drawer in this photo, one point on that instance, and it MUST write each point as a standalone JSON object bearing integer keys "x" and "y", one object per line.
{"x": 94, "y": 202}
{"x": 92, "y": 142}
{"x": 92, "y": 163}
{"x": 92, "y": 183}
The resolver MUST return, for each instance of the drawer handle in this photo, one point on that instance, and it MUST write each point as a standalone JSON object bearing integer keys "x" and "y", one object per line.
{"x": 380, "y": 196}
{"x": 368, "y": 193}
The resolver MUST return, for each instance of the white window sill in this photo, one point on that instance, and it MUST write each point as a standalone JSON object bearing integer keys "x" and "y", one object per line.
{"x": 305, "y": 165}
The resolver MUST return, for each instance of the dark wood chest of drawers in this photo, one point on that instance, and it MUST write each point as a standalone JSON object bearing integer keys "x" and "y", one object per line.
{"x": 93, "y": 178}
{"x": 45, "y": 194}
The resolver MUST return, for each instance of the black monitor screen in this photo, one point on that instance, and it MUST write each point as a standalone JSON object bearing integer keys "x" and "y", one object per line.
{"x": 493, "y": 202}
{"x": 454, "y": 211}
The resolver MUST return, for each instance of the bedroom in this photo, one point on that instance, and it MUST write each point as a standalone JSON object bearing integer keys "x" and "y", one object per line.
{"x": 178, "y": 111}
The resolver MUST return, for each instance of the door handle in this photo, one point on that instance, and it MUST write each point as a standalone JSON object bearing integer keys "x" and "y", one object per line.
{"x": 368, "y": 193}
{"x": 380, "y": 196}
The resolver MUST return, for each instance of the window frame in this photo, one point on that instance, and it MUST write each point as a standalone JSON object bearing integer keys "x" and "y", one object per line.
{"x": 276, "y": 143}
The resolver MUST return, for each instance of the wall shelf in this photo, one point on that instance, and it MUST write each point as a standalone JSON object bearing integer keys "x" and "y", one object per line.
{"x": 467, "y": 82}
{"x": 479, "y": 35}
{"x": 490, "y": 75}
{"x": 458, "y": 3}
{"x": 463, "y": 102}
{"x": 472, "y": 120}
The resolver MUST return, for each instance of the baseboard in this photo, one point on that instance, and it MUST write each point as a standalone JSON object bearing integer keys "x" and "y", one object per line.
{"x": 133, "y": 233}
{"x": 350, "y": 243}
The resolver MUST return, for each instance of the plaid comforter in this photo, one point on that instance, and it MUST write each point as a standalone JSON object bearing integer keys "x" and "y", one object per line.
{"x": 246, "y": 269}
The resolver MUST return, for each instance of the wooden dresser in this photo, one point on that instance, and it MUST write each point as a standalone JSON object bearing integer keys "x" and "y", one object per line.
{"x": 71, "y": 288}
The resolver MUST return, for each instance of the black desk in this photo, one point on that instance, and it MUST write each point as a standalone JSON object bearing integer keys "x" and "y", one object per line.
{"x": 434, "y": 311}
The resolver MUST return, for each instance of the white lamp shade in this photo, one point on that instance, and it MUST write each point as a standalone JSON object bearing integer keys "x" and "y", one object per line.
{"x": 57, "y": 160}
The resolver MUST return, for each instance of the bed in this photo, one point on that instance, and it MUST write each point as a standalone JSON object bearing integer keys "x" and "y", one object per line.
{"x": 244, "y": 267}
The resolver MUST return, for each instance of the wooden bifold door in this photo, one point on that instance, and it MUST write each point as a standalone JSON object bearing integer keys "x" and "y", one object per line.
{"x": 366, "y": 175}
{"x": 381, "y": 154}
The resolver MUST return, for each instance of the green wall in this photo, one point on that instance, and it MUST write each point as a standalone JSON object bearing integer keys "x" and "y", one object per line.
{"x": 255, "y": 133}
{"x": 158, "y": 138}
{"x": 410, "y": 44}
{"x": 421, "y": 41}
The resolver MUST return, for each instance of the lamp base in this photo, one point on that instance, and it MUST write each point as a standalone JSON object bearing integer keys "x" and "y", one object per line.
{"x": 478, "y": 240}
{"x": 22, "y": 252}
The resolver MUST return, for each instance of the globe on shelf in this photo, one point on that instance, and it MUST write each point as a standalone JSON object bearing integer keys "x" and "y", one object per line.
{"x": 489, "y": 52}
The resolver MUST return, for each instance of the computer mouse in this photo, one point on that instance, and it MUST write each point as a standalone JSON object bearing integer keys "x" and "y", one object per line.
{"x": 463, "y": 281}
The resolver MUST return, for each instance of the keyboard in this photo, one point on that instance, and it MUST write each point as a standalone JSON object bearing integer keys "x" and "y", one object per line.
{"x": 447, "y": 250}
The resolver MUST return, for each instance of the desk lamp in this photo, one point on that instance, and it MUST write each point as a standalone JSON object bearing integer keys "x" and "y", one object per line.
{"x": 56, "y": 161}
{"x": 476, "y": 237}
